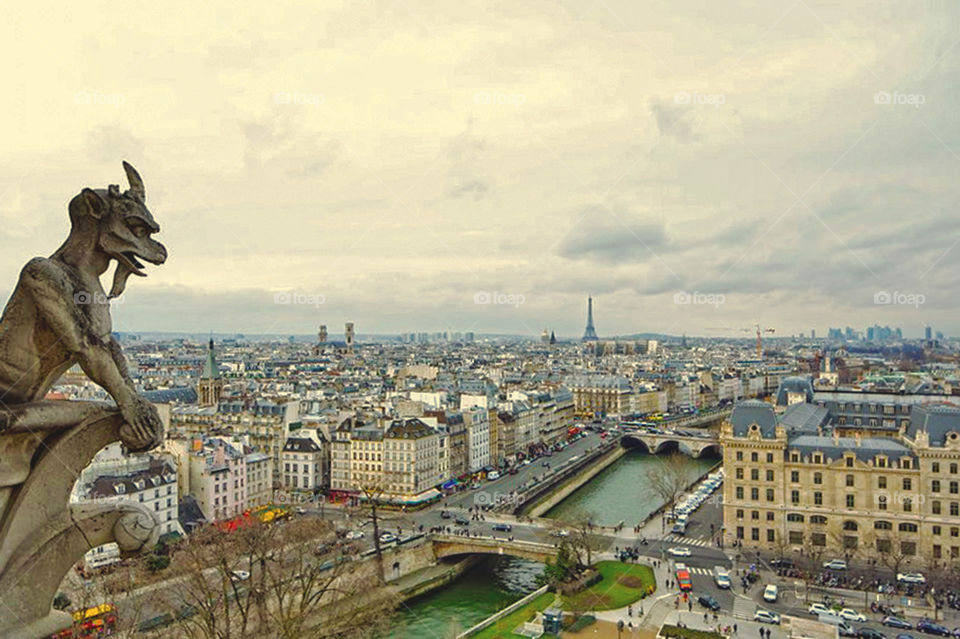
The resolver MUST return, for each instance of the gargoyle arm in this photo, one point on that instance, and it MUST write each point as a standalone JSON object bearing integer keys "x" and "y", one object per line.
{"x": 56, "y": 306}
{"x": 120, "y": 360}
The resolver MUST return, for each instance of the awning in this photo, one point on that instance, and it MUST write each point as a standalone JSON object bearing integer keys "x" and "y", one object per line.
{"x": 426, "y": 495}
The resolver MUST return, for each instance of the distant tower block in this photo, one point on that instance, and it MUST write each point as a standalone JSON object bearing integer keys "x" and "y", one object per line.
{"x": 322, "y": 334}
{"x": 590, "y": 334}
{"x": 348, "y": 334}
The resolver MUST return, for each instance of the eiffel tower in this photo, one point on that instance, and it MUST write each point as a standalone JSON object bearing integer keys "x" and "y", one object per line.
{"x": 590, "y": 334}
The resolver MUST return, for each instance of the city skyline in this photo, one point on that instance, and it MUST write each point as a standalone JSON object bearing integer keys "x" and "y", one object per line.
{"x": 688, "y": 170}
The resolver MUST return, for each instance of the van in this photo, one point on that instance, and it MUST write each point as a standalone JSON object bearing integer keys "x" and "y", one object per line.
{"x": 679, "y": 528}
{"x": 722, "y": 577}
{"x": 492, "y": 475}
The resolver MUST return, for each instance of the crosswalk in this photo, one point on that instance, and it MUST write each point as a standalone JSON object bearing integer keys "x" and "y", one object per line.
{"x": 687, "y": 541}
{"x": 698, "y": 571}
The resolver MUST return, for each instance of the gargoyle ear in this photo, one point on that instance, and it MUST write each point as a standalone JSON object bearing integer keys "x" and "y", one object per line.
{"x": 96, "y": 206}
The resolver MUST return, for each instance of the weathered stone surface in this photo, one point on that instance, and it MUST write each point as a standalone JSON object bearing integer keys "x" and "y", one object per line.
{"x": 58, "y": 316}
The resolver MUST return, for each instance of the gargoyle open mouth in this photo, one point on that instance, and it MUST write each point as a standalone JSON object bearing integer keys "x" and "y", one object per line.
{"x": 134, "y": 265}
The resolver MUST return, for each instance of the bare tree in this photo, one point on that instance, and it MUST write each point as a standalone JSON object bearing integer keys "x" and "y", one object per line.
{"x": 282, "y": 579}
{"x": 583, "y": 539}
{"x": 373, "y": 493}
{"x": 668, "y": 478}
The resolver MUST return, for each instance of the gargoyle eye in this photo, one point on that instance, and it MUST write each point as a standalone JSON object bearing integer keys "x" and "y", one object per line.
{"x": 139, "y": 230}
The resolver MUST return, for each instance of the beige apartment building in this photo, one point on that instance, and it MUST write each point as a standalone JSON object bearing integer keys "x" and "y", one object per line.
{"x": 795, "y": 485}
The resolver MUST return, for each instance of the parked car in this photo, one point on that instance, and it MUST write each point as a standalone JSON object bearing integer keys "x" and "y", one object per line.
{"x": 927, "y": 626}
{"x": 722, "y": 577}
{"x": 870, "y": 633}
{"x": 386, "y": 538}
{"x": 781, "y": 563}
{"x": 836, "y": 564}
{"x": 770, "y": 593}
{"x": 905, "y": 636}
{"x": 818, "y": 609}
{"x": 849, "y": 614}
{"x": 896, "y": 622}
{"x": 460, "y": 520}
{"x": 560, "y": 533}
{"x": 354, "y": 534}
{"x": 709, "y": 602}
{"x": 502, "y": 527}
{"x": 679, "y": 551}
{"x": 911, "y": 578}
{"x": 445, "y": 514}
{"x": 765, "y": 616}
{"x": 239, "y": 575}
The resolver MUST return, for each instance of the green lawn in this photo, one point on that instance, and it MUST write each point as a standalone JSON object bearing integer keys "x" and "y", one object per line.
{"x": 503, "y": 629}
{"x": 622, "y": 584}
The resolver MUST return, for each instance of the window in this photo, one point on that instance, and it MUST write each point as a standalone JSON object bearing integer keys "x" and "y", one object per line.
{"x": 739, "y": 492}
{"x": 739, "y": 473}
{"x": 850, "y": 481}
{"x": 769, "y": 458}
{"x": 849, "y": 461}
{"x": 739, "y": 513}
{"x": 794, "y": 496}
{"x": 851, "y": 501}
{"x": 953, "y": 469}
{"x": 850, "y": 542}
{"x": 907, "y": 527}
{"x": 935, "y": 505}
{"x": 850, "y": 525}
{"x": 770, "y": 516}
{"x": 770, "y": 494}
{"x": 882, "y": 525}
{"x": 795, "y": 476}
{"x": 954, "y": 509}
{"x": 881, "y": 482}
{"x": 754, "y": 457}
{"x": 818, "y": 498}
{"x": 755, "y": 515}
{"x": 795, "y": 518}
{"x": 755, "y": 534}
{"x": 739, "y": 532}
{"x": 907, "y": 505}
{"x": 769, "y": 475}
{"x": 755, "y": 494}
{"x": 935, "y": 486}
{"x": 907, "y": 483}
{"x": 882, "y": 502}
{"x": 954, "y": 488}
{"x": 819, "y": 520}
{"x": 818, "y": 478}
{"x": 739, "y": 455}
{"x": 883, "y": 546}
{"x": 908, "y": 548}
{"x": 754, "y": 474}
{"x": 771, "y": 535}
{"x": 796, "y": 538}
{"x": 818, "y": 539}
{"x": 937, "y": 530}
{"x": 935, "y": 467}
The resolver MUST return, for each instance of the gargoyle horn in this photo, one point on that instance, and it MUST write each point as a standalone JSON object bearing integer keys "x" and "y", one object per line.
{"x": 136, "y": 184}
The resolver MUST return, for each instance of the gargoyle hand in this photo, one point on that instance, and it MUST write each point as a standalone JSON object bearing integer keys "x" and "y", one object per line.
{"x": 142, "y": 429}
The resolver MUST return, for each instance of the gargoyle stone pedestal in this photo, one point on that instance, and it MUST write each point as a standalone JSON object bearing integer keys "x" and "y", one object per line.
{"x": 42, "y": 535}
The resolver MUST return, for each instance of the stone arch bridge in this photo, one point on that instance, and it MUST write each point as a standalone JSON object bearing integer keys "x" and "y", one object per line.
{"x": 453, "y": 545}
{"x": 694, "y": 446}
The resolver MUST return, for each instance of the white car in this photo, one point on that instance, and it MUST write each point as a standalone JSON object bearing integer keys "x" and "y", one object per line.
{"x": 239, "y": 575}
{"x": 386, "y": 538}
{"x": 560, "y": 533}
{"x": 770, "y": 593}
{"x": 765, "y": 616}
{"x": 679, "y": 551}
{"x": 835, "y": 564}
{"x": 849, "y": 614}
{"x": 818, "y": 609}
{"x": 911, "y": 578}
{"x": 355, "y": 534}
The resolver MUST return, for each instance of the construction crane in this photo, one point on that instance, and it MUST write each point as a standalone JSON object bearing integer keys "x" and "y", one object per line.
{"x": 760, "y": 331}
{"x": 755, "y": 327}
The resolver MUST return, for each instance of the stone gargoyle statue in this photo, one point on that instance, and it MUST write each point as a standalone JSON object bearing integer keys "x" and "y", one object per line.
{"x": 58, "y": 316}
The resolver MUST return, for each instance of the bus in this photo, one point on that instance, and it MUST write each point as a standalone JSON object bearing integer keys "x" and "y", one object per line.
{"x": 98, "y": 621}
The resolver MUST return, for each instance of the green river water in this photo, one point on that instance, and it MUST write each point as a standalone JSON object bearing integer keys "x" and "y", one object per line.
{"x": 619, "y": 492}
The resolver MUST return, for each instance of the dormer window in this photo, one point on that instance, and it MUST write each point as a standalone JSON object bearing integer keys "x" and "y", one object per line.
{"x": 119, "y": 489}
{"x": 140, "y": 484}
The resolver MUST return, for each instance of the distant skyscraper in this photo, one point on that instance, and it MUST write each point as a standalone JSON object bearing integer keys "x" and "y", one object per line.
{"x": 590, "y": 334}
{"x": 928, "y": 333}
{"x": 813, "y": 333}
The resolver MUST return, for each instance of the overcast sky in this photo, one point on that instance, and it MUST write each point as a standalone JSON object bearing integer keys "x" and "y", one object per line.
{"x": 395, "y": 163}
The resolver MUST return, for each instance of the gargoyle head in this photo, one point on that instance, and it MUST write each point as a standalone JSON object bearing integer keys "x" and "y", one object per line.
{"x": 119, "y": 226}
